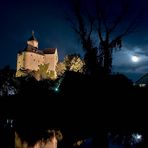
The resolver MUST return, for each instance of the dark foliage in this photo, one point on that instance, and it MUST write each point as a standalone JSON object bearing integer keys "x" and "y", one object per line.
{"x": 83, "y": 107}
{"x": 6, "y": 74}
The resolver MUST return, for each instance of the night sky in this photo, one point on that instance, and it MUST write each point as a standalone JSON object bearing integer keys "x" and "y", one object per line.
{"x": 47, "y": 19}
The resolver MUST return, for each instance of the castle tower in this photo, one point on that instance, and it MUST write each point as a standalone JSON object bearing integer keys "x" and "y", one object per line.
{"x": 32, "y": 41}
{"x": 30, "y": 59}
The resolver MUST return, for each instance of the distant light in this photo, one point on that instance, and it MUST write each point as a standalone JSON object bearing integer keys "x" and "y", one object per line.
{"x": 136, "y": 138}
{"x": 56, "y": 89}
{"x": 135, "y": 58}
{"x": 9, "y": 123}
{"x": 142, "y": 85}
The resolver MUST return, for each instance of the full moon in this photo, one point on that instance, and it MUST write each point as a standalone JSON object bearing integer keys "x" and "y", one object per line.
{"x": 135, "y": 58}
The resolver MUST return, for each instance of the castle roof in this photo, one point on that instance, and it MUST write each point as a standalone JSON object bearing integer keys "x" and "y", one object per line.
{"x": 30, "y": 48}
{"x": 33, "y": 47}
{"x": 49, "y": 50}
{"x": 44, "y": 51}
{"x": 143, "y": 80}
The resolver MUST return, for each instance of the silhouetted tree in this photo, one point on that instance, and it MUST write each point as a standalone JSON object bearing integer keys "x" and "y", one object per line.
{"x": 6, "y": 74}
{"x": 7, "y": 81}
{"x": 104, "y": 21}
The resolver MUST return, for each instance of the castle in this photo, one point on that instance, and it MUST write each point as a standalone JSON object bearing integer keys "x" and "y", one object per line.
{"x": 30, "y": 59}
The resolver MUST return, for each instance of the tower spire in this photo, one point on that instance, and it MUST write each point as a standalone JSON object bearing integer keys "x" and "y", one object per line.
{"x": 33, "y": 33}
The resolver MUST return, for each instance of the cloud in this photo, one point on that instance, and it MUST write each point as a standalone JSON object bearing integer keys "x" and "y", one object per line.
{"x": 122, "y": 62}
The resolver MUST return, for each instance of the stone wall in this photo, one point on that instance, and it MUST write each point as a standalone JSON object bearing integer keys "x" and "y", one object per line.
{"x": 27, "y": 60}
{"x": 33, "y": 60}
{"x": 20, "y": 60}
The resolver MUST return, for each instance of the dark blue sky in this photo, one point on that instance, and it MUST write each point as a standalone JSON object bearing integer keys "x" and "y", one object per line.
{"x": 47, "y": 19}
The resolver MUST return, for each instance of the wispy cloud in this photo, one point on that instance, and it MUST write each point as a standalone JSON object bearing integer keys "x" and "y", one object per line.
{"x": 122, "y": 61}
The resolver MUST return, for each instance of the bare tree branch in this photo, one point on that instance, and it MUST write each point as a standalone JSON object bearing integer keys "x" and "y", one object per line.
{"x": 73, "y": 25}
{"x": 120, "y": 18}
{"x": 91, "y": 23}
{"x": 128, "y": 30}
{"x": 105, "y": 23}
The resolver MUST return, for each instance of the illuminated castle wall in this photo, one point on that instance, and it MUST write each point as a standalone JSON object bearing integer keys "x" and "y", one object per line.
{"x": 31, "y": 57}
